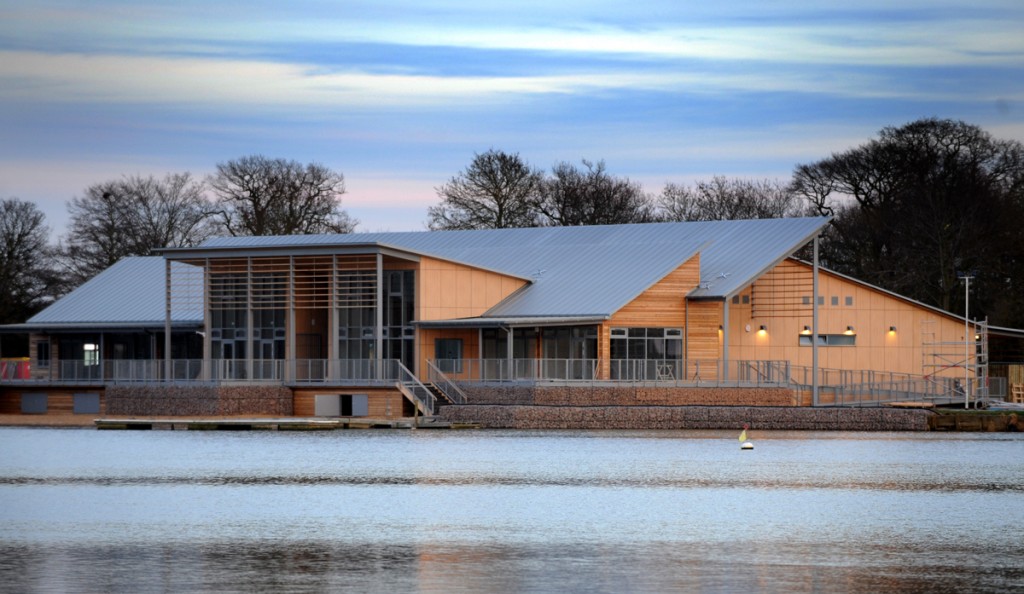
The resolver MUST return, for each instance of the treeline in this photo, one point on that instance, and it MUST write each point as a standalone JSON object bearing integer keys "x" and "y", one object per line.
{"x": 500, "y": 190}
{"x": 132, "y": 216}
{"x": 913, "y": 210}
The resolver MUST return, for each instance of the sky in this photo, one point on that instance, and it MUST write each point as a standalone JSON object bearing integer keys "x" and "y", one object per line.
{"x": 398, "y": 96}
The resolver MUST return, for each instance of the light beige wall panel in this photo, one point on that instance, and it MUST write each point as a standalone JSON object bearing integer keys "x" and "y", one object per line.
{"x": 870, "y": 315}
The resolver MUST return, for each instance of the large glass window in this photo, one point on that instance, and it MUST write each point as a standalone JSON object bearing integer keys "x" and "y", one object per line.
{"x": 357, "y": 326}
{"x": 646, "y": 353}
{"x": 228, "y": 313}
{"x": 569, "y": 352}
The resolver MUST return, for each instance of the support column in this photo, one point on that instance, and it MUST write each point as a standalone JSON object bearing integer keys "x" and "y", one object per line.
{"x": 248, "y": 319}
{"x": 167, "y": 320}
{"x": 379, "y": 340}
{"x": 510, "y": 352}
{"x": 332, "y": 319}
{"x": 814, "y": 329}
{"x": 292, "y": 364}
{"x": 207, "y": 338}
{"x": 725, "y": 338}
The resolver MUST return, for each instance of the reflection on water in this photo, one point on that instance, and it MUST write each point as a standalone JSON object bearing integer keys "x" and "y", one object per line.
{"x": 509, "y": 511}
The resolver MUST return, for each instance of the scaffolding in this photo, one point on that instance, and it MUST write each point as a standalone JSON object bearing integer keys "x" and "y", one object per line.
{"x": 969, "y": 355}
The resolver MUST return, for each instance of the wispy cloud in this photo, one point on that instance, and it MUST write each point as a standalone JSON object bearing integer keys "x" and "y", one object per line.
{"x": 36, "y": 76}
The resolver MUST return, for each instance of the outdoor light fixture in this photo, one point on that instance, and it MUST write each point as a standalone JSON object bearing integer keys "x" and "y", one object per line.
{"x": 849, "y": 330}
{"x": 762, "y": 330}
{"x": 806, "y": 330}
{"x": 892, "y": 329}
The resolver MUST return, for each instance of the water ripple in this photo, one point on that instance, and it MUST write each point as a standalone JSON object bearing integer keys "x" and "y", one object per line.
{"x": 516, "y": 481}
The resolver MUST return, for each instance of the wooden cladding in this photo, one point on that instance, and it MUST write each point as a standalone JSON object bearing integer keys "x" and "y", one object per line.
{"x": 663, "y": 304}
{"x": 703, "y": 340}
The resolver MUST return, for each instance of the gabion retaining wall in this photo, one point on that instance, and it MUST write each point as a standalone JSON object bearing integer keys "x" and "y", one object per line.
{"x": 184, "y": 401}
{"x": 688, "y": 417}
{"x": 582, "y": 395}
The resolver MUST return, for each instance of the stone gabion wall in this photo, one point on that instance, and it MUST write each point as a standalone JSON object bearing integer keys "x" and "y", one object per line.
{"x": 583, "y": 395}
{"x": 186, "y": 401}
{"x": 688, "y": 417}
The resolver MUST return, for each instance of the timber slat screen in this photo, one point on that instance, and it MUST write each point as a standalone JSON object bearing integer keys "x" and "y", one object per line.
{"x": 783, "y": 292}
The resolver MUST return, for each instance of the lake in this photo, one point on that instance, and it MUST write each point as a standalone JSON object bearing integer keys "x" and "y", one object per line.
{"x": 484, "y": 510}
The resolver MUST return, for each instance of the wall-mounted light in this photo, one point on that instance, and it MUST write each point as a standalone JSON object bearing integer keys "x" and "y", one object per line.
{"x": 762, "y": 330}
{"x": 977, "y": 337}
{"x": 849, "y": 331}
{"x": 806, "y": 330}
{"x": 892, "y": 329}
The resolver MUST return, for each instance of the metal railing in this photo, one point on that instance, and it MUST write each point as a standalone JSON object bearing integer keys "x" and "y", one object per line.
{"x": 593, "y": 371}
{"x": 837, "y": 387}
{"x": 844, "y": 387}
{"x": 413, "y": 388}
{"x": 301, "y": 371}
{"x": 445, "y": 384}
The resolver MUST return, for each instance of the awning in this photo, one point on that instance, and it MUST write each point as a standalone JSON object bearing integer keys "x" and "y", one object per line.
{"x": 523, "y": 322}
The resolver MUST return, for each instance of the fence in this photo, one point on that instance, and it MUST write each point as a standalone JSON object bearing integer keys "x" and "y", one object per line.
{"x": 279, "y": 371}
{"x": 707, "y": 373}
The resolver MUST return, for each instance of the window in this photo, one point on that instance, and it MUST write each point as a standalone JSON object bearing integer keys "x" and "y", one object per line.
{"x": 43, "y": 354}
{"x": 448, "y": 354}
{"x": 646, "y": 353}
{"x": 91, "y": 354}
{"x": 830, "y": 340}
{"x": 835, "y": 300}
{"x": 849, "y": 301}
{"x": 746, "y": 299}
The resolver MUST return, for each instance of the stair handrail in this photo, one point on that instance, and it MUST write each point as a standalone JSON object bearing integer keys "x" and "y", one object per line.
{"x": 446, "y": 384}
{"x": 413, "y": 386}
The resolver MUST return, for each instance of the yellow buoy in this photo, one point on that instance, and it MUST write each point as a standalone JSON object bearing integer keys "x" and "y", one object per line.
{"x": 744, "y": 444}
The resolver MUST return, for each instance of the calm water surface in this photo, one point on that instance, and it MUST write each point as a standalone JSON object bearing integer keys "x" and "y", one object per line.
{"x": 433, "y": 511}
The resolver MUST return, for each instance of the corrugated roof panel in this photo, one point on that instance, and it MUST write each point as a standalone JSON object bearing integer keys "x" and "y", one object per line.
{"x": 591, "y": 268}
{"x": 130, "y": 292}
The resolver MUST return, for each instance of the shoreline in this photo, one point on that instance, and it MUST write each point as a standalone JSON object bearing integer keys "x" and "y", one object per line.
{"x": 531, "y": 417}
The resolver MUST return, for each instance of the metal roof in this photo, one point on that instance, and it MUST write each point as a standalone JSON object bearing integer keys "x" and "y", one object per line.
{"x": 526, "y": 322}
{"x": 585, "y": 271}
{"x": 573, "y": 272}
{"x": 128, "y": 294}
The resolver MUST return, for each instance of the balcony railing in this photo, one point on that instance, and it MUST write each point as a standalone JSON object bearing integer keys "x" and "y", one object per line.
{"x": 837, "y": 387}
{"x": 664, "y": 372}
{"x": 301, "y": 371}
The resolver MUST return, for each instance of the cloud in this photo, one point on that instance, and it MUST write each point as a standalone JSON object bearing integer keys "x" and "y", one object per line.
{"x": 266, "y": 85}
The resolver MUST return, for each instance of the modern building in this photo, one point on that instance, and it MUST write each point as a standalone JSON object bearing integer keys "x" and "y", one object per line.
{"x": 381, "y": 324}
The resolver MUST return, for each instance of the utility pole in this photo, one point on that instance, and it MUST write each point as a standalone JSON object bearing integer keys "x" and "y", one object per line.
{"x": 966, "y": 277}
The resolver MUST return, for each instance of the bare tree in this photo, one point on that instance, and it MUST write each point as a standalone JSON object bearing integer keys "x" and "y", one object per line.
{"x": 261, "y": 196}
{"x": 722, "y": 198}
{"x": 132, "y": 217}
{"x": 591, "y": 196}
{"x": 496, "y": 191}
{"x": 922, "y": 203}
{"x": 27, "y": 279}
